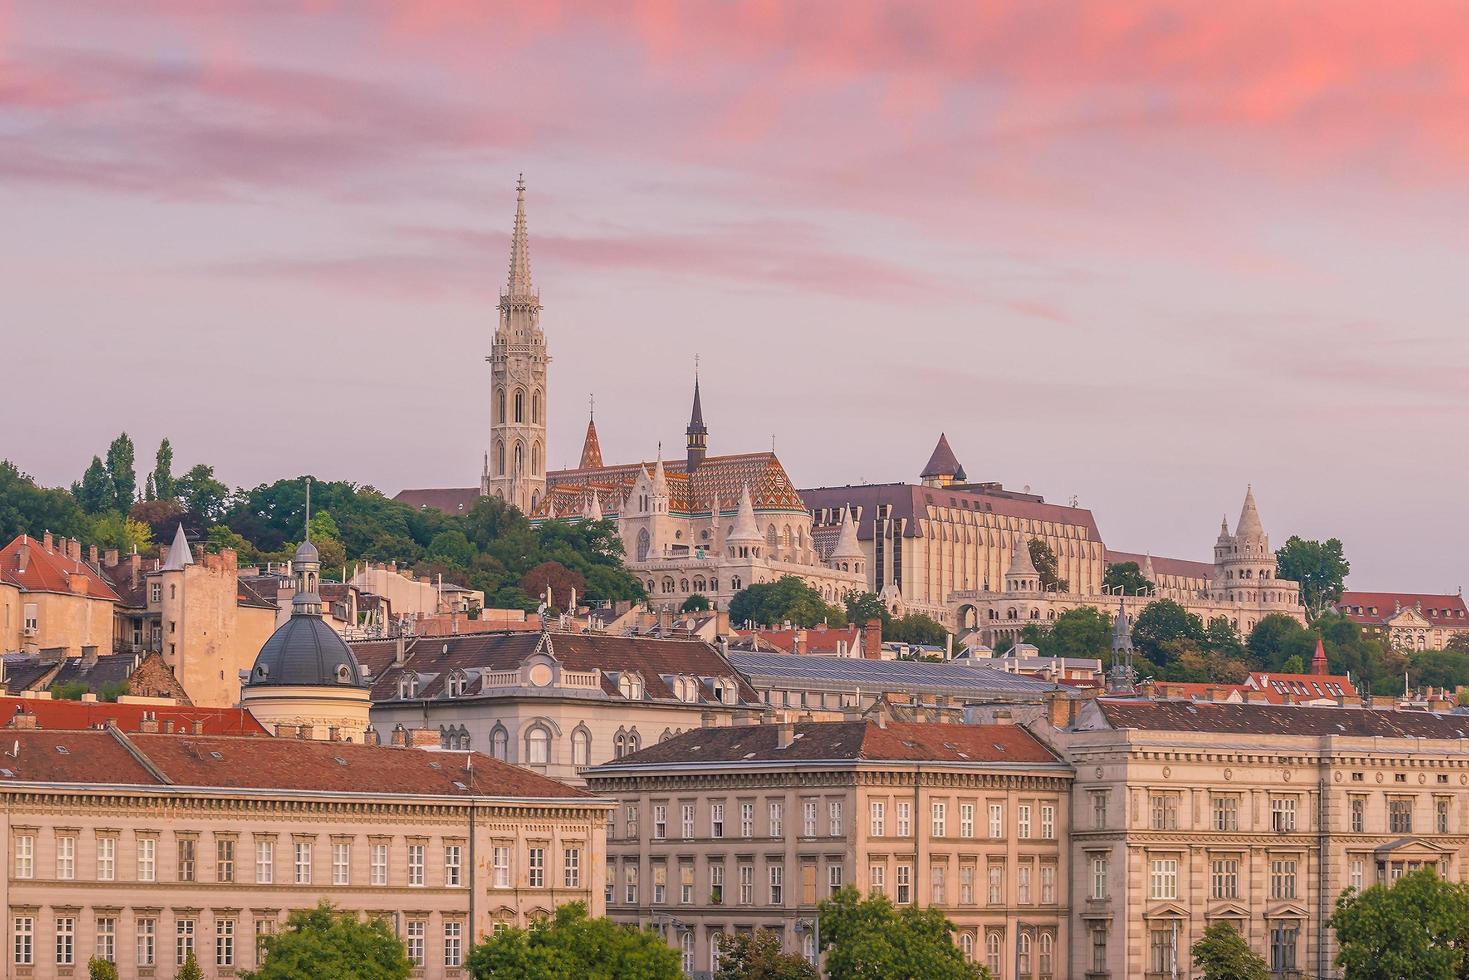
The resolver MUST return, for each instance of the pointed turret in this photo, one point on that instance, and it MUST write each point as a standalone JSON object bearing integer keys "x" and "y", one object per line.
{"x": 745, "y": 530}
{"x": 1319, "y": 667}
{"x": 846, "y": 546}
{"x": 697, "y": 431}
{"x": 1121, "y": 635}
{"x": 1249, "y": 525}
{"x": 942, "y": 465}
{"x": 519, "y": 284}
{"x": 1022, "y": 576}
{"x": 594, "y": 508}
{"x": 179, "y": 554}
{"x": 591, "y": 448}
{"x": 660, "y": 479}
{"x": 1121, "y": 676}
{"x": 1147, "y": 568}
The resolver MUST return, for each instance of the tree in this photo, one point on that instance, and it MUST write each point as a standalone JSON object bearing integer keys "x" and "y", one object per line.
{"x": 163, "y": 471}
{"x": 26, "y": 508}
{"x": 122, "y": 473}
{"x": 1044, "y": 560}
{"x": 95, "y": 492}
{"x": 863, "y": 607}
{"x": 571, "y": 946}
{"x": 916, "y": 628}
{"x": 1275, "y": 639}
{"x": 698, "y": 602}
{"x": 1082, "y": 632}
{"x": 1223, "y": 954}
{"x": 869, "y": 939}
{"x": 1458, "y": 642}
{"x": 788, "y": 598}
{"x": 113, "y": 530}
{"x": 100, "y": 969}
{"x": 202, "y": 494}
{"x": 1415, "y": 928}
{"x": 1163, "y": 620}
{"x": 743, "y": 956}
{"x": 553, "y": 575}
{"x": 1125, "y": 578}
{"x": 1319, "y": 567}
{"x": 70, "y": 691}
{"x": 190, "y": 970}
{"x": 325, "y": 944}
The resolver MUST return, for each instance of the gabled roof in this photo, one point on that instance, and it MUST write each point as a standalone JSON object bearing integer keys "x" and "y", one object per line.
{"x": 911, "y": 502}
{"x": 1439, "y": 610}
{"x": 1285, "y": 688}
{"x": 451, "y": 500}
{"x": 942, "y": 462}
{"x": 1181, "y": 567}
{"x": 847, "y": 741}
{"x": 50, "y": 571}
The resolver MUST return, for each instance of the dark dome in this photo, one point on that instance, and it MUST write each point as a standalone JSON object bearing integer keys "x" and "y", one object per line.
{"x": 306, "y": 651}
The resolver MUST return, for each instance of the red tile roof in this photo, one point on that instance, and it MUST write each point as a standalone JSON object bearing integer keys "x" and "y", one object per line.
{"x": 245, "y": 763}
{"x": 50, "y": 571}
{"x": 56, "y": 715}
{"x": 770, "y": 487}
{"x": 848, "y": 741}
{"x": 1284, "y": 688}
{"x": 817, "y": 641}
{"x": 1439, "y": 610}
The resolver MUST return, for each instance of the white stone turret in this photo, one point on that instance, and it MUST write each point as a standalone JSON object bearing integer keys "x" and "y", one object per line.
{"x": 846, "y": 555}
{"x": 594, "y": 508}
{"x": 744, "y": 539}
{"x": 179, "y": 554}
{"x": 1022, "y": 575}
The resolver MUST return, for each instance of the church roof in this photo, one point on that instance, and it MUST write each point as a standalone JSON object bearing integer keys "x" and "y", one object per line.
{"x": 696, "y": 418}
{"x": 846, "y": 544}
{"x": 591, "y": 448}
{"x": 519, "y": 282}
{"x": 1020, "y": 561}
{"x": 722, "y": 476}
{"x": 942, "y": 462}
{"x": 912, "y": 503}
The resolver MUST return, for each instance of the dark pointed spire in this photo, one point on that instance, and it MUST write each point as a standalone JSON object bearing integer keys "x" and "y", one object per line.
{"x": 591, "y": 447}
{"x": 698, "y": 432}
{"x": 942, "y": 465}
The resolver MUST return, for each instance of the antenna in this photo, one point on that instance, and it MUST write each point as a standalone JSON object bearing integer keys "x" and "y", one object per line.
{"x": 308, "y": 508}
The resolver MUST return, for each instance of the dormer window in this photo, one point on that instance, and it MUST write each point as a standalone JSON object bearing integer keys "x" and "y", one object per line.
{"x": 457, "y": 684}
{"x": 630, "y": 686}
{"x": 724, "y": 689}
{"x": 408, "y": 686}
{"x": 344, "y": 674}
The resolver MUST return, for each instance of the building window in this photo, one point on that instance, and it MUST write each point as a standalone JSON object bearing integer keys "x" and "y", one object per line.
{"x": 66, "y": 940}
{"x": 808, "y": 818}
{"x": 777, "y": 885}
{"x": 833, "y": 878}
{"x": 1164, "y": 878}
{"x": 378, "y": 864}
{"x": 879, "y": 818}
{"x": 937, "y": 884}
{"x": 264, "y": 862}
{"x": 777, "y": 815}
{"x": 1357, "y": 868}
{"x": 660, "y": 821}
{"x": 716, "y": 820}
{"x": 147, "y": 859}
{"x": 966, "y": 823}
{"x": 453, "y": 944}
{"x": 418, "y": 929}
{"x": 25, "y": 856}
{"x": 1048, "y": 884}
{"x": 106, "y": 858}
{"x": 66, "y": 850}
{"x": 630, "y": 884}
{"x": 1441, "y": 815}
{"x": 224, "y": 860}
{"x": 535, "y": 866}
{"x": 1283, "y": 941}
{"x": 904, "y": 818}
{"x": 877, "y": 878}
{"x": 1224, "y": 878}
{"x": 501, "y": 865}
{"x": 996, "y": 890}
{"x": 1022, "y": 953}
{"x": 1283, "y": 814}
{"x": 1283, "y": 878}
{"x": 571, "y": 867}
{"x": 500, "y": 744}
{"x": 183, "y": 940}
{"x": 1226, "y": 813}
{"x": 25, "y": 940}
{"x": 834, "y": 818}
{"x": 1022, "y": 883}
{"x": 686, "y": 883}
{"x": 1099, "y": 876}
{"x": 1048, "y": 821}
{"x": 686, "y": 814}
{"x": 1163, "y": 949}
{"x": 1400, "y": 816}
{"x": 903, "y": 884}
{"x": 107, "y": 938}
{"x": 1099, "y": 948}
{"x": 630, "y": 820}
{"x": 994, "y": 951}
{"x": 147, "y": 935}
{"x": 1358, "y": 814}
{"x": 716, "y": 883}
{"x": 747, "y": 820}
{"x": 940, "y": 821}
{"x": 341, "y": 863}
{"x": 303, "y": 863}
{"x": 1022, "y": 821}
{"x": 1099, "y": 810}
{"x": 997, "y": 821}
{"x": 1165, "y": 810}
{"x": 581, "y": 748}
{"x": 224, "y": 942}
{"x": 747, "y": 884}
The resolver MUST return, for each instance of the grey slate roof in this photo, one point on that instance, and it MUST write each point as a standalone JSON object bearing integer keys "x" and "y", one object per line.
{"x": 917, "y": 677}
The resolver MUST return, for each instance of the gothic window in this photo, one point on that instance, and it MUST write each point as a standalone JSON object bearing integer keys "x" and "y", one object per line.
{"x": 630, "y": 686}
{"x": 519, "y": 458}
{"x": 581, "y": 747}
{"x": 535, "y": 408}
{"x": 644, "y": 543}
{"x": 668, "y": 586}
{"x": 499, "y": 404}
{"x": 770, "y": 536}
{"x": 734, "y": 583}
{"x": 457, "y": 683}
{"x": 519, "y": 405}
{"x": 499, "y": 457}
{"x": 500, "y": 743}
{"x": 535, "y": 459}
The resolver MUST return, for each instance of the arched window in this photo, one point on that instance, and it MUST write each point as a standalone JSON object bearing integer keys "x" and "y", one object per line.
{"x": 770, "y": 536}
{"x": 535, "y": 459}
{"x": 457, "y": 683}
{"x": 994, "y": 949}
{"x": 630, "y": 686}
{"x": 581, "y": 747}
{"x": 619, "y": 744}
{"x": 966, "y": 945}
{"x": 500, "y": 744}
{"x": 1045, "y": 944}
{"x": 499, "y": 405}
{"x": 538, "y": 747}
{"x": 634, "y": 741}
{"x": 519, "y": 458}
{"x": 408, "y": 685}
{"x": 519, "y": 405}
{"x": 668, "y": 585}
{"x": 535, "y": 408}
{"x": 644, "y": 543}
{"x": 1022, "y": 954}
{"x": 734, "y": 583}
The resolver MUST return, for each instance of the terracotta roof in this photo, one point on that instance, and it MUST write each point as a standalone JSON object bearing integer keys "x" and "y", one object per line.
{"x": 816, "y": 641}
{"x": 848, "y": 741}
{"x": 1439, "y": 610}
{"x": 1192, "y": 689}
{"x": 651, "y": 658}
{"x": 770, "y": 487}
{"x": 910, "y": 502}
{"x": 452, "y": 500}
{"x": 288, "y": 765}
{"x": 1182, "y": 567}
{"x": 50, "y": 571}
{"x": 1280, "y": 687}
{"x": 942, "y": 462}
{"x": 54, "y": 715}
{"x": 1271, "y": 719}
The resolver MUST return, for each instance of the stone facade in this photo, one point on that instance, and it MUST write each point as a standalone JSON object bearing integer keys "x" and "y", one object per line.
{"x": 1408, "y": 620}
{"x": 731, "y": 830}
{"x": 106, "y": 859}
{"x": 61, "y": 602}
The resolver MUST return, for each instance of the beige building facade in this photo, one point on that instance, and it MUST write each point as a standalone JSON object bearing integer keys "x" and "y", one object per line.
{"x": 1408, "y": 620}
{"x": 141, "y": 848}
{"x": 61, "y": 603}
{"x": 728, "y": 830}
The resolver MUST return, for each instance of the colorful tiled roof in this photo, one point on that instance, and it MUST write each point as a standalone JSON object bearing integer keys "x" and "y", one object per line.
{"x": 725, "y": 476}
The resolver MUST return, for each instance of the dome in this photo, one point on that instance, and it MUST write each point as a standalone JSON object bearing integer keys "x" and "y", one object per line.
{"x": 307, "y": 552}
{"x": 305, "y": 651}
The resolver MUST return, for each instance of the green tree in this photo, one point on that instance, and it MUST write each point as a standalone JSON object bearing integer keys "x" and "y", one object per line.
{"x": 190, "y": 970}
{"x": 452, "y": 547}
{"x": 758, "y": 956}
{"x": 1161, "y": 621}
{"x": 202, "y": 494}
{"x": 1415, "y": 928}
{"x": 1293, "y": 665}
{"x": 863, "y": 607}
{"x": 1222, "y": 639}
{"x": 869, "y": 939}
{"x": 113, "y": 530}
{"x": 1223, "y": 954}
{"x": 100, "y": 969}
{"x": 149, "y": 493}
{"x": 1275, "y": 639}
{"x": 788, "y": 598}
{"x": 918, "y": 629}
{"x": 698, "y": 602}
{"x": 571, "y": 946}
{"x": 560, "y": 580}
{"x": 1126, "y": 578}
{"x": 95, "y": 492}
{"x": 1319, "y": 566}
{"x": 325, "y": 944}
{"x": 122, "y": 473}
{"x": 221, "y": 537}
{"x": 1082, "y": 632}
{"x": 1439, "y": 668}
{"x": 1044, "y": 560}
{"x": 70, "y": 691}
{"x": 26, "y": 508}
{"x": 163, "y": 471}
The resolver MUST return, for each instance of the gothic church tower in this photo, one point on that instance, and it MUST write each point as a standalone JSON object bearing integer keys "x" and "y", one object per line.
{"x": 515, "y": 466}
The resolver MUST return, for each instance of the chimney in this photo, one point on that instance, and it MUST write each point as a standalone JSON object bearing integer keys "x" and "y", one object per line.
{"x": 419, "y": 738}
{"x": 46, "y": 541}
{"x": 23, "y": 555}
{"x": 303, "y": 732}
{"x": 135, "y": 565}
{"x": 109, "y": 558}
{"x": 197, "y": 726}
{"x": 74, "y": 549}
{"x": 92, "y": 554}
{"x": 872, "y": 640}
{"x": 89, "y": 656}
{"x": 785, "y": 733}
{"x": 400, "y": 736}
{"x": 23, "y": 719}
{"x": 1060, "y": 712}
{"x": 168, "y": 726}
{"x": 149, "y": 724}
{"x": 399, "y": 649}
{"x": 371, "y": 737}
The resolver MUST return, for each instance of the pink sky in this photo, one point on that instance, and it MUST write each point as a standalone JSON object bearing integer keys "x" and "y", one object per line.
{"x": 1140, "y": 253}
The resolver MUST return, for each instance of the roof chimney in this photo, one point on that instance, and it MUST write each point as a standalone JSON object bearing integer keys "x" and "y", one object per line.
{"x": 23, "y": 555}
{"x": 92, "y": 554}
{"x": 74, "y": 549}
{"x": 46, "y": 541}
{"x": 197, "y": 726}
{"x": 109, "y": 558}
{"x": 785, "y": 734}
{"x": 168, "y": 726}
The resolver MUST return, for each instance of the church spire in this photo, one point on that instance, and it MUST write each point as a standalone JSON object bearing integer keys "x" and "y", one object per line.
{"x": 591, "y": 447}
{"x": 698, "y": 432}
{"x": 519, "y": 284}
